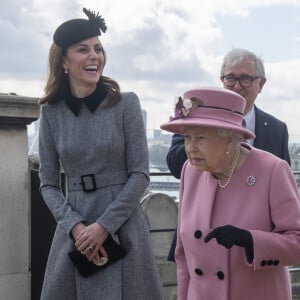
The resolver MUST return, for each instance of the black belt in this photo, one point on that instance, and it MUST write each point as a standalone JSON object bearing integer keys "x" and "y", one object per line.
{"x": 92, "y": 182}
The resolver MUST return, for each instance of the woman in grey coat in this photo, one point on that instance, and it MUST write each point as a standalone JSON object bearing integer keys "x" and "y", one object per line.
{"x": 97, "y": 135}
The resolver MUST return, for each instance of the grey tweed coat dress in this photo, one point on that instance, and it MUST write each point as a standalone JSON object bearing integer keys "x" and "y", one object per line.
{"x": 110, "y": 143}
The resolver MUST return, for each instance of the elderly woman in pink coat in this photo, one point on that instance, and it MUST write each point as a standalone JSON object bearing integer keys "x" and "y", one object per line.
{"x": 239, "y": 211}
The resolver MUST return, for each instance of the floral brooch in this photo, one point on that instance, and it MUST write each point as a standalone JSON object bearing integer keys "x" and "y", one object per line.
{"x": 183, "y": 107}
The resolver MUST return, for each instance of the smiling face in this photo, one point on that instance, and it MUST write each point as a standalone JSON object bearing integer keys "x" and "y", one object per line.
{"x": 206, "y": 148}
{"x": 84, "y": 62}
{"x": 247, "y": 67}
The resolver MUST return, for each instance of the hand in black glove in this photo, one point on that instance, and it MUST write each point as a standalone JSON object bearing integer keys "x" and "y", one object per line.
{"x": 229, "y": 235}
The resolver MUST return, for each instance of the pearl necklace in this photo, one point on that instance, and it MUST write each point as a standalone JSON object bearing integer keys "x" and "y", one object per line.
{"x": 231, "y": 170}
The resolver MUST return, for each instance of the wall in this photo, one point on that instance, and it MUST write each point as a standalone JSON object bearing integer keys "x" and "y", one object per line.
{"x": 15, "y": 113}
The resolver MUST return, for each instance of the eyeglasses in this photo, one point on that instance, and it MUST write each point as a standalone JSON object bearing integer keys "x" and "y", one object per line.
{"x": 244, "y": 80}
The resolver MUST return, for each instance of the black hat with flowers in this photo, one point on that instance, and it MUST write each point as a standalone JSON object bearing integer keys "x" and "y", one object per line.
{"x": 77, "y": 30}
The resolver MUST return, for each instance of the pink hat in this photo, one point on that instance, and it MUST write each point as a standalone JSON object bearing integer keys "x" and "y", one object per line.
{"x": 209, "y": 106}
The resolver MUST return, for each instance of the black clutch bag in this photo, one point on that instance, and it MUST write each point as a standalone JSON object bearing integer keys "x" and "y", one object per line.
{"x": 87, "y": 268}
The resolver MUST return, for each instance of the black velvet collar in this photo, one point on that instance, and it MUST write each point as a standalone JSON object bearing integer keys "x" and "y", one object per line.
{"x": 92, "y": 101}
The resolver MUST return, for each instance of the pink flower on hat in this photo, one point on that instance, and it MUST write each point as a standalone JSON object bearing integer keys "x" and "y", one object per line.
{"x": 183, "y": 107}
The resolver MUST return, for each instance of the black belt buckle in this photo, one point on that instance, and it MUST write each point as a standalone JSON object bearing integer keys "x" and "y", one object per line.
{"x": 85, "y": 183}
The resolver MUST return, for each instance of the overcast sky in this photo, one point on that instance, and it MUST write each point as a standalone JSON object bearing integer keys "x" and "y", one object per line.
{"x": 160, "y": 48}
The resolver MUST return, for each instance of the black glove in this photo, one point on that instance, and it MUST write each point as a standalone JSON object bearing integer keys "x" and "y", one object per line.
{"x": 229, "y": 235}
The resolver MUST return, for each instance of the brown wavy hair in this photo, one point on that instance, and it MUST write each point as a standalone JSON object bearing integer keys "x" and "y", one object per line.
{"x": 58, "y": 83}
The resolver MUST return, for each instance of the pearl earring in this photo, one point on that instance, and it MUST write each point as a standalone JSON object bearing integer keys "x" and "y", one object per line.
{"x": 227, "y": 152}
{"x": 66, "y": 71}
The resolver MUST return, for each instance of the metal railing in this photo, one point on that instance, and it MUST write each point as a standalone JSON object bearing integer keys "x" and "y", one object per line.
{"x": 294, "y": 269}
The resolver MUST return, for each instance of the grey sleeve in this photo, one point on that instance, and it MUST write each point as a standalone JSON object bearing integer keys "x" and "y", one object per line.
{"x": 49, "y": 174}
{"x": 137, "y": 160}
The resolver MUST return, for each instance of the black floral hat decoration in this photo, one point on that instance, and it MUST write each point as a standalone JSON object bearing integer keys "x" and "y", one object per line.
{"x": 77, "y": 30}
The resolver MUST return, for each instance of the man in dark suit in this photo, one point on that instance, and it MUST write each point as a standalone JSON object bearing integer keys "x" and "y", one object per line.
{"x": 243, "y": 72}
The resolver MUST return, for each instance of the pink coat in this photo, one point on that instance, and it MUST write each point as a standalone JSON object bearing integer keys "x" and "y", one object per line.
{"x": 269, "y": 208}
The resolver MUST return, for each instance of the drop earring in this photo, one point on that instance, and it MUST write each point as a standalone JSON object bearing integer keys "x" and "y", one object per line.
{"x": 66, "y": 71}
